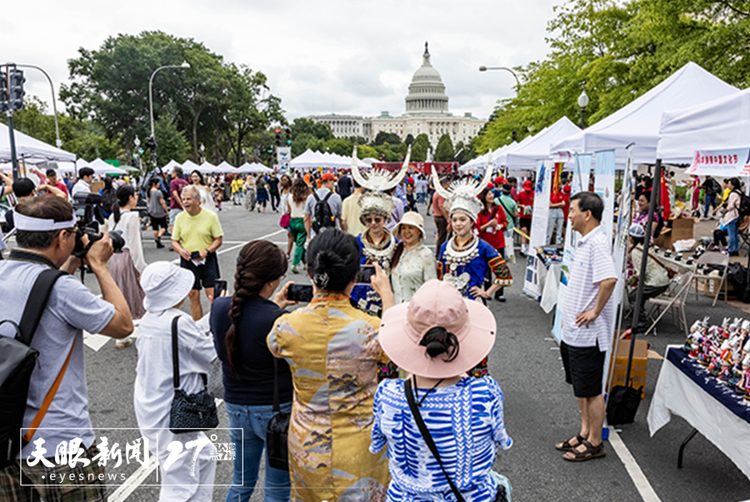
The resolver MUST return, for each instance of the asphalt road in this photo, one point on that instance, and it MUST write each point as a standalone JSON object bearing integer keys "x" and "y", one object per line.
{"x": 540, "y": 409}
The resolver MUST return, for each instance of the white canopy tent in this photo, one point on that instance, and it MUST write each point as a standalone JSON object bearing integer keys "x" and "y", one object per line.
{"x": 171, "y": 164}
{"x": 30, "y": 150}
{"x": 100, "y": 167}
{"x": 526, "y": 154}
{"x": 719, "y": 124}
{"x": 226, "y": 168}
{"x": 189, "y": 166}
{"x": 254, "y": 168}
{"x": 311, "y": 160}
{"x": 207, "y": 168}
{"x": 639, "y": 121}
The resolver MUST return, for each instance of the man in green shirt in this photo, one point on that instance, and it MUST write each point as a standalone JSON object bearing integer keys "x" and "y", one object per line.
{"x": 196, "y": 236}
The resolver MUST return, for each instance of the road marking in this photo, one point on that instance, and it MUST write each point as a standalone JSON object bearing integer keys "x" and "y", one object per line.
{"x": 139, "y": 476}
{"x": 176, "y": 261}
{"x": 634, "y": 470}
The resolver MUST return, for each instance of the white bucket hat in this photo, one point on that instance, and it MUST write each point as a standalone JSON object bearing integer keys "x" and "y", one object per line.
{"x": 411, "y": 218}
{"x": 165, "y": 285}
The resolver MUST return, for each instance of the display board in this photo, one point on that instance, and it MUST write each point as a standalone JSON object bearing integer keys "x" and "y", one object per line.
{"x": 540, "y": 216}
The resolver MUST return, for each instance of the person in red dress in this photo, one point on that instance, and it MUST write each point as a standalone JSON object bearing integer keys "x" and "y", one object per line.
{"x": 491, "y": 225}
{"x": 525, "y": 208}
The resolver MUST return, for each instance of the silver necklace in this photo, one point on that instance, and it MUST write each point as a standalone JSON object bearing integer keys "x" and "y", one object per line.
{"x": 457, "y": 257}
{"x": 381, "y": 256}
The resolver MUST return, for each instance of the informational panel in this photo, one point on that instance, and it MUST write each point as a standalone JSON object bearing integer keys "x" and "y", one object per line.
{"x": 544, "y": 171}
{"x": 580, "y": 183}
{"x": 721, "y": 163}
{"x": 604, "y": 186}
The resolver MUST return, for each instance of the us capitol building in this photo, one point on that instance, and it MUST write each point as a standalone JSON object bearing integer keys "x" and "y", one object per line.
{"x": 426, "y": 112}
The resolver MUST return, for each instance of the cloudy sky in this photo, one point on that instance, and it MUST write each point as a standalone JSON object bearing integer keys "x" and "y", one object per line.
{"x": 342, "y": 56}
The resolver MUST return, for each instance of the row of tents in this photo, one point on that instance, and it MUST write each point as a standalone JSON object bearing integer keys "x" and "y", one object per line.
{"x": 690, "y": 110}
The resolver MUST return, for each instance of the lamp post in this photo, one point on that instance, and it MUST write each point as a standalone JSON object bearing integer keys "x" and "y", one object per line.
{"x": 244, "y": 155}
{"x": 137, "y": 143}
{"x": 583, "y": 102}
{"x": 58, "y": 142}
{"x": 152, "y": 140}
{"x": 203, "y": 153}
{"x": 518, "y": 85}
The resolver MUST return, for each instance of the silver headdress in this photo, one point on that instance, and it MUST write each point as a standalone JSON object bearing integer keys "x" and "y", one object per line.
{"x": 462, "y": 194}
{"x": 377, "y": 181}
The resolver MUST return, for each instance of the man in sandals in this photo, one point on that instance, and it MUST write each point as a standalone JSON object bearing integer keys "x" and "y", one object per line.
{"x": 587, "y": 321}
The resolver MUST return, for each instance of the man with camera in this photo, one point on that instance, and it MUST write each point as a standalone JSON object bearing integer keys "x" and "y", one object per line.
{"x": 196, "y": 237}
{"x": 46, "y": 236}
{"x": 83, "y": 185}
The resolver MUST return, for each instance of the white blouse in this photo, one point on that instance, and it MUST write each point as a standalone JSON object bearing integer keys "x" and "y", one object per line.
{"x": 415, "y": 267}
{"x": 130, "y": 226}
{"x": 207, "y": 199}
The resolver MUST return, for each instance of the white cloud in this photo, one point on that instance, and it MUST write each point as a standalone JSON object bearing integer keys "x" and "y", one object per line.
{"x": 347, "y": 56}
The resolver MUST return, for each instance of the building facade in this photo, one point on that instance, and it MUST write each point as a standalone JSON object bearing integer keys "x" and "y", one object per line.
{"x": 426, "y": 112}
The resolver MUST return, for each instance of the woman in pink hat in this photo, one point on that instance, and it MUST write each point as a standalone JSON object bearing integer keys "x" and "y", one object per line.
{"x": 441, "y": 427}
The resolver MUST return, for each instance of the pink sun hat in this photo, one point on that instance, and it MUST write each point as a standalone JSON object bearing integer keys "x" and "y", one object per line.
{"x": 437, "y": 303}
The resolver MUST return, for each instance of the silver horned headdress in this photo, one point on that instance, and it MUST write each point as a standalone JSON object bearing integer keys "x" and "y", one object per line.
{"x": 377, "y": 181}
{"x": 462, "y": 195}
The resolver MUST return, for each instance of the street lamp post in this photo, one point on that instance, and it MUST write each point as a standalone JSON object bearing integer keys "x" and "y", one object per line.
{"x": 518, "y": 86}
{"x": 138, "y": 151}
{"x": 184, "y": 64}
{"x": 203, "y": 153}
{"x": 58, "y": 142}
{"x": 583, "y": 102}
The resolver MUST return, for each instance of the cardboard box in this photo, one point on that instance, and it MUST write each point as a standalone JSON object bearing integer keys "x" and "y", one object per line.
{"x": 682, "y": 228}
{"x": 618, "y": 366}
{"x": 710, "y": 285}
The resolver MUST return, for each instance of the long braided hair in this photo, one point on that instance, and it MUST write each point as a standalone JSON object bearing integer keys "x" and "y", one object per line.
{"x": 259, "y": 263}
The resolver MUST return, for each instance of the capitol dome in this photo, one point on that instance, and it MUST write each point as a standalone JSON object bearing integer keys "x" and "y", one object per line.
{"x": 426, "y": 91}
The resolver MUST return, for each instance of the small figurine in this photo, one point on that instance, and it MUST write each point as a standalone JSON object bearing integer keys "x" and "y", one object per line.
{"x": 743, "y": 386}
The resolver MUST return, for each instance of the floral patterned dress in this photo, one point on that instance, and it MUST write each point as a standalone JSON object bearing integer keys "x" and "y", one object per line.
{"x": 333, "y": 351}
{"x": 414, "y": 268}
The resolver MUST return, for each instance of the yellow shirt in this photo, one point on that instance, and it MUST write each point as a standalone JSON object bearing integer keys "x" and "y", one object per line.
{"x": 350, "y": 212}
{"x": 196, "y": 233}
{"x": 236, "y": 184}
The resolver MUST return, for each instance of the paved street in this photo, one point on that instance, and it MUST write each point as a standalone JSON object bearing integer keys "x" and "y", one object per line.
{"x": 539, "y": 407}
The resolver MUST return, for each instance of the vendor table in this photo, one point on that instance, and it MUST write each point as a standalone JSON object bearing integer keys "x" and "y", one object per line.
{"x": 686, "y": 389}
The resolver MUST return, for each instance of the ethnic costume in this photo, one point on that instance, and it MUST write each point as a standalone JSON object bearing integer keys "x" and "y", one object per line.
{"x": 375, "y": 202}
{"x": 465, "y": 264}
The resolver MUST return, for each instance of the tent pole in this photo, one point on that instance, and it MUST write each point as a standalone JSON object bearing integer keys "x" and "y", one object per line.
{"x": 655, "y": 195}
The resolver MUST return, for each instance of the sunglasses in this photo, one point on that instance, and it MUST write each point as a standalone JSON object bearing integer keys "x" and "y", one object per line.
{"x": 374, "y": 220}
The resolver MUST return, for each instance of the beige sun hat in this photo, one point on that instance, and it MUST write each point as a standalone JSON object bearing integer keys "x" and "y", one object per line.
{"x": 411, "y": 218}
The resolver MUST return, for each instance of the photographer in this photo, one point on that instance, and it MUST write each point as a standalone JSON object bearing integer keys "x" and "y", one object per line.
{"x": 46, "y": 237}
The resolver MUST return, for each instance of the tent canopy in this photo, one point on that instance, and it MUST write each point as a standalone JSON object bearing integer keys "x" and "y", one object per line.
{"x": 171, "y": 164}
{"x": 526, "y": 154}
{"x": 639, "y": 121}
{"x": 100, "y": 167}
{"x": 189, "y": 166}
{"x": 31, "y": 150}
{"x": 719, "y": 124}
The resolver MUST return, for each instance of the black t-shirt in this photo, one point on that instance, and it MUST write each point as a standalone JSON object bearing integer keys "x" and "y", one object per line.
{"x": 253, "y": 385}
{"x": 345, "y": 186}
{"x": 273, "y": 184}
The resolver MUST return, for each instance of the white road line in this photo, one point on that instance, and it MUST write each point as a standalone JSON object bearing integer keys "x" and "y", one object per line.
{"x": 634, "y": 470}
{"x": 139, "y": 476}
{"x": 176, "y": 261}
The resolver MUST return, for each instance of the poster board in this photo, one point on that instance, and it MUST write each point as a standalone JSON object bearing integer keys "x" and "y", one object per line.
{"x": 538, "y": 234}
{"x": 604, "y": 186}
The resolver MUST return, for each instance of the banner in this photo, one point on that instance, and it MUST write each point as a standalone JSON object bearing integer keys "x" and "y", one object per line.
{"x": 722, "y": 163}
{"x": 538, "y": 234}
{"x": 580, "y": 183}
{"x": 604, "y": 186}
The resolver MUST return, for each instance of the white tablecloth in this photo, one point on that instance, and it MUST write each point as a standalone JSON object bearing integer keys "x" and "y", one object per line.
{"x": 677, "y": 393}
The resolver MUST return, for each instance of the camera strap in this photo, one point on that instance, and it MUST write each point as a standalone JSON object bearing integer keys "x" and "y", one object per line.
{"x": 28, "y": 256}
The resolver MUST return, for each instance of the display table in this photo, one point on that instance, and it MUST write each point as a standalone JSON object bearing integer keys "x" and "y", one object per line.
{"x": 685, "y": 388}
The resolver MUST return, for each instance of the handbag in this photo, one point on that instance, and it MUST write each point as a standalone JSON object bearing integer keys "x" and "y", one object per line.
{"x": 215, "y": 384}
{"x": 285, "y": 219}
{"x": 277, "y": 430}
{"x": 189, "y": 412}
{"x": 503, "y": 485}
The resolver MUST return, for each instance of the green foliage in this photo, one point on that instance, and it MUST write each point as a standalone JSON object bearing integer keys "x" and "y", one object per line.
{"x": 386, "y": 137}
{"x": 419, "y": 148}
{"x": 409, "y": 139}
{"x": 444, "y": 149}
{"x": 171, "y": 142}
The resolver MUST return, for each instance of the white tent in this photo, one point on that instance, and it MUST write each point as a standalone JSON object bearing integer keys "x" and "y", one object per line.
{"x": 310, "y": 160}
{"x": 254, "y": 168}
{"x": 719, "y": 124}
{"x": 30, "y": 150}
{"x": 526, "y": 154}
{"x": 170, "y": 165}
{"x": 226, "y": 167}
{"x": 638, "y": 122}
{"x": 189, "y": 166}
{"x": 100, "y": 167}
{"x": 207, "y": 168}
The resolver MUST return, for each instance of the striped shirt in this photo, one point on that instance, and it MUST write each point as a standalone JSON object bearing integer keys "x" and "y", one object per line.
{"x": 593, "y": 263}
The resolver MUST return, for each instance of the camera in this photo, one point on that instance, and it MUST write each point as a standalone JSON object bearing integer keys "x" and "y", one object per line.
{"x": 89, "y": 215}
{"x": 80, "y": 250}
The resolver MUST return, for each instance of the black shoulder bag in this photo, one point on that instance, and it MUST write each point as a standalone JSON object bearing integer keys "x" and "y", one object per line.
{"x": 500, "y": 497}
{"x": 189, "y": 412}
{"x": 277, "y": 430}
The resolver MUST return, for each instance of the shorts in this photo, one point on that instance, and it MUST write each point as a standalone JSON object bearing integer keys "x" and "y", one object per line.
{"x": 584, "y": 369}
{"x": 206, "y": 273}
{"x": 173, "y": 215}
{"x": 524, "y": 222}
{"x": 157, "y": 223}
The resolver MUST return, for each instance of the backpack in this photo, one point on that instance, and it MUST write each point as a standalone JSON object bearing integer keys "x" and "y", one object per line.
{"x": 744, "y": 205}
{"x": 17, "y": 362}
{"x": 322, "y": 214}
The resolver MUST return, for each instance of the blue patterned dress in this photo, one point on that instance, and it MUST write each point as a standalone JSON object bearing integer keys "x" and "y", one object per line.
{"x": 466, "y": 423}
{"x": 364, "y": 297}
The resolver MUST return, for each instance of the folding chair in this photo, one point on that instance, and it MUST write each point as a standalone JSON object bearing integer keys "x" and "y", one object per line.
{"x": 672, "y": 300}
{"x": 713, "y": 259}
{"x": 744, "y": 231}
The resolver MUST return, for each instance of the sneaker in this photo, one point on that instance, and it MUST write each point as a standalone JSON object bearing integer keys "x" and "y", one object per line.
{"x": 294, "y": 270}
{"x": 159, "y": 244}
{"x": 126, "y": 342}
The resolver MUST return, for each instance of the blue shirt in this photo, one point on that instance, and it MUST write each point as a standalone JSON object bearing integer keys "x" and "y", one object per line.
{"x": 253, "y": 383}
{"x": 466, "y": 423}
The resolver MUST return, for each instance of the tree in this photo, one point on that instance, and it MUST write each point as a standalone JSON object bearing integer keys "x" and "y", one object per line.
{"x": 171, "y": 142}
{"x": 386, "y": 137}
{"x": 444, "y": 149}
{"x": 308, "y": 126}
{"x": 409, "y": 139}
{"x": 419, "y": 148}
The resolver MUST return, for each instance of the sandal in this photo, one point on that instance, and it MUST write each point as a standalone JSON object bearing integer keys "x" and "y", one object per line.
{"x": 566, "y": 446}
{"x": 587, "y": 454}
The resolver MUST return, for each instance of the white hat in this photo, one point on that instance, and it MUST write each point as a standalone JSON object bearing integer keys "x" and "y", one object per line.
{"x": 165, "y": 285}
{"x": 411, "y": 218}
{"x": 636, "y": 230}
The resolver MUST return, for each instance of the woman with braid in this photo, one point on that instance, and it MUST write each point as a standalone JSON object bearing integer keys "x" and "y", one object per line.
{"x": 240, "y": 325}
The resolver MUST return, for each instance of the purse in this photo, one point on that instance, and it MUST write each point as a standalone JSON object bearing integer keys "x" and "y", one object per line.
{"x": 277, "y": 430}
{"x": 503, "y": 485}
{"x": 189, "y": 412}
{"x": 285, "y": 220}
{"x": 215, "y": 384}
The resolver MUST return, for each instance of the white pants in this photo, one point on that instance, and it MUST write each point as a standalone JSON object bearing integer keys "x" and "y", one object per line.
{"x": 556, "y": 220}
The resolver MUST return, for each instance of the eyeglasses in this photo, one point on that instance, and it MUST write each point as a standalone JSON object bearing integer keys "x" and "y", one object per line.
{"x": 374, "y": 220}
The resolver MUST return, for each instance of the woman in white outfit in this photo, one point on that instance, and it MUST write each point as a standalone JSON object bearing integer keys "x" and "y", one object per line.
{"x": 128, "y": 265}
{"x": 188, "y": 478}
{"x": 207, "y": 196}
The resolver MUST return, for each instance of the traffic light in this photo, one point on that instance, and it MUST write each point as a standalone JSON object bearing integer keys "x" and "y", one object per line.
{"x": 278, "y": 137}
{"x": 288, "y": 136}
{"x": 3, "y": 92}
{"x": 15, "y": 91}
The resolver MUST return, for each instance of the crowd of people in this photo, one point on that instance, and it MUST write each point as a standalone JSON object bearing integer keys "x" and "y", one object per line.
{"x": 393, "y": 333}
